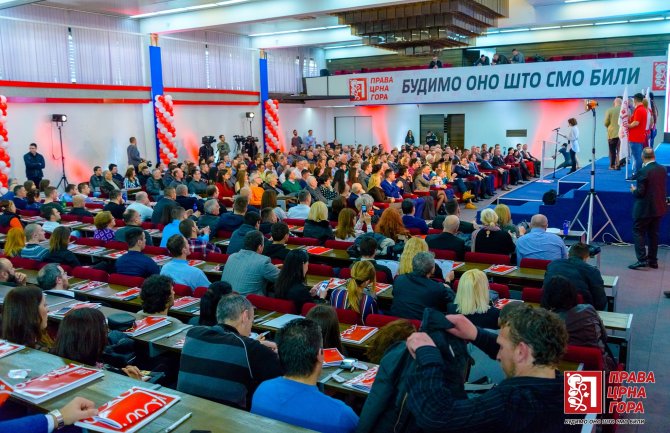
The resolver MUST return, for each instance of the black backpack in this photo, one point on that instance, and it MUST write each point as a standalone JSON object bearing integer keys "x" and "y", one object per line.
{"x": 549, "y": 197}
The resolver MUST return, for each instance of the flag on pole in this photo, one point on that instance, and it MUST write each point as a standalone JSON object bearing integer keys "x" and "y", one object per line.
{"x": 646, "y": 96}
{"x": 624, "y": 115}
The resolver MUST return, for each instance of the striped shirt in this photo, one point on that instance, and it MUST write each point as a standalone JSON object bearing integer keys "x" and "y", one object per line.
{"x": 367, "y": 304}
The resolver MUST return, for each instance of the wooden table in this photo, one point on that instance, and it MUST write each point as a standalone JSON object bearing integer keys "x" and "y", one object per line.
{"x": 207, "y": 415}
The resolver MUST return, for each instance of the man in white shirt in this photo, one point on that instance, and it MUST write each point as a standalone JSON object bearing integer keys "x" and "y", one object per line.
{"x": 141, "y": 205}
{"x": 302, "y": 209}
{"x": 52, "y": 217}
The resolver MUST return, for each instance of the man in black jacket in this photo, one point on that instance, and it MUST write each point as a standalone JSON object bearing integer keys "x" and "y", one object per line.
{"x": 168, "y": 200}
{"x": 447, "y": 240}
{"x": 115, "y": 205}
{"x": 34, "y": 164}
{"x": 368, "y": 249}
{"x": 414, "y": 292}
{"x": 529, "y": 347}
{"x": 452, "y": 208}
{"x": 586, "y": 278}
{"x": 648, "y": 209}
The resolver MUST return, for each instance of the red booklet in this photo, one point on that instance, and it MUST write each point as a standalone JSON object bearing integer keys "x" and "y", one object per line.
{"x": 116, "y": 254}
{"x": 382, "y": 287}
{"x": 7, "y": 348}
{"x": 195, "y": 262}
{"x": 318, "y": 250}
{"x": 91, "y": 250}
{"x": 148, "y": 324}
{"x": 55, "y": 383}
{"x": 63, "y": 311}
{"x": 127, "y": 295}
{"x": 88, "y": 286}
{"x": 332, "y": 357}
{"x": 500, "y": 269}
{"x": 184, "y": 301}
{"x": 5, "y": 392}
{"x": 456, "y": 265}
{"x": 160, "y": 258}
{"x": 363, "y": 382}
{"x": 500, "y": 303}
{"x": 358, "y": 334}
{"x": 130, "y": 411}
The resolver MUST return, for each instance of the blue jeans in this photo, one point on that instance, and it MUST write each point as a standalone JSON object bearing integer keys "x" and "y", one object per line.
{"x": 636, "y": 155}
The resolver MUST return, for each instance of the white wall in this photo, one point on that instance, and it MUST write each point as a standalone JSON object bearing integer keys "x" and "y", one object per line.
{"x": 485, "y": 122}
{"x": 97, "y": 134}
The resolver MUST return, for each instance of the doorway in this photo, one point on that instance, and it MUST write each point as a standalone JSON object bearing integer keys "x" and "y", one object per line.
{"x": 354, "y": 130}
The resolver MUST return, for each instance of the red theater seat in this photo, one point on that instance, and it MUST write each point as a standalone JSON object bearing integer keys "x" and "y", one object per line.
{"x": 90, "y": 274}
{"x": 311, "y": 242}
{"x": 493, "y": 259}
{"x": 534, "y": 263}
{"x": 379, "y": 320}
{"x": 126, "y": 280}
{"x": 91, "y": 242}
{"x": 272, "y": 304}
{"x": 338, "y": 245}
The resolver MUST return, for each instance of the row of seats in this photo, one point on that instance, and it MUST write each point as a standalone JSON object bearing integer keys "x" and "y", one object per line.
{"x": 387, "y": 69}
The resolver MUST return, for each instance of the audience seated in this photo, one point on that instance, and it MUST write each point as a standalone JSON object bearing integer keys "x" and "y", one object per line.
{"x": 9, "y": 218}
{"x": 134, "y": 262}
{"x": 167, "y": 201}
{"x": 75, "y": 410}
{"x": 473, "y": 300}
{"x": 294, "y": 398}
{"x": 197, "y": 244}
{"x": 208, "y": 303}
{"x": 104, "y": 224}
{"x": 142, "y": 206}
{"x": 24, "y": 317}
{"x": 52, "y": 218}
{"x": 236, "y": 363}
{"x": 290, "y": 282}
{"x": 15, "y": 242}
{"x": 447, "y": 240}
{"x": 231, "y": 221}
{"x": 251, "y": 222}
{"x": 414, "y": 291}
{"x": 184, "y": 199}
{"x": 155, "y": 185}
{"x": 409, "y": 220}
{"x": 349, "y": 227}
{"x": 539, "y": 244}
{"x": 353, "y": 296}
{"x": 178, "y": 268}
{"x": 177, "y": 215}
{"x": 53, "y": 279}
{"x": 210, "y": 216}
{"x": 34, "y": 236}
{"x": 19, "y": 199}
{"x": 388, "y": 335}
{"x": 58, "y": 251}
{"x": 248, "y": 271}
{"x": 326, "y": 317}
{"x": 390, "y": 225}
{"x": 301, "y": 210}
{"x": 489, "y": 238}
{"x": 9, "y": 276}
{"x": 317, "y": 225}
{"x": 412, "y": 247}
{"x": 584, "y": 325}
{"x": 132, "y": 220}
{"x": 51, "y": 199}
{"x": 78, "y": 206}
{"x": 115, "y": 205}
{"x": 586, "y": 278}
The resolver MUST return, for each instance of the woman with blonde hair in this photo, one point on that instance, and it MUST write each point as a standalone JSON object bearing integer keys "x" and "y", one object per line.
{"x": 505, "y": 220}
{"x": 412, "y": 247}
{"x": 317, "y": 225}
{"x": 473, "y": 300}
{"x": 104, "y": 221}
{"x": 16, "y": 240}
{"x": 353, "y": 296}
{"x": 489, "y": 238}
{"x": 390, "y": 225}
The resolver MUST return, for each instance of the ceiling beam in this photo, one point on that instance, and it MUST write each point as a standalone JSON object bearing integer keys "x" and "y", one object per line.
{"x": 254, "y": 12}
{"x": 311, "y": 38}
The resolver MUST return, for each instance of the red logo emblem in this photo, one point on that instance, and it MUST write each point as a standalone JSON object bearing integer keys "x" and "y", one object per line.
{"x": 659, "y": 76}
{"x": 583, "y": 392}
{"x": 358, "y": 89}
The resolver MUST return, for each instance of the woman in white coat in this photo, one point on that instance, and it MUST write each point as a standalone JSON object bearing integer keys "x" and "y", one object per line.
{"x": 573, "y": 142}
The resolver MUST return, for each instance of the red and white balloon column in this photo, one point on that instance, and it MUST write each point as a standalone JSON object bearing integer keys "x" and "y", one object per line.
{"x": 165, "y": 130}
{"x": 272, "y": 131}
{"x": 5, "y": 164}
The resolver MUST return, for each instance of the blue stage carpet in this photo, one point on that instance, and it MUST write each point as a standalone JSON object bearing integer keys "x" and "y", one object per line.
{"x": 611, "y": 187}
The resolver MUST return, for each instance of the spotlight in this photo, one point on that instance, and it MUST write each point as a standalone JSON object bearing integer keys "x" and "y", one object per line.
{"x": 62, "y": 118}
{"x": 250, "y": 114}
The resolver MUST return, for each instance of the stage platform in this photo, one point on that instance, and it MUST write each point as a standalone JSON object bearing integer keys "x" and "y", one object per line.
{"x": 610, "y": 185}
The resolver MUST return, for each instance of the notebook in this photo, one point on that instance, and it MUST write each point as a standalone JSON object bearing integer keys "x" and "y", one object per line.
{"x": 148, "y": 324}
{"x": 60, "y": 313}
{"x": 130, "y": 411}
{"x": 500, "y": 269}
{"x": 160, "y": 258}
{"x": 363, "y": 382}
{"x": 7, "y": 348}
{"x": 382, "y": 287}
{"x": 318, "y": 250}
{"x": 116, "y": 254}
{"x": 195, "y": 262}
{"x": 332, "y": 357}
{"x": 500, "y": 303}
{"x": 281, "y": 321}
{"x": 358, "y": 334}
{"x": 127, "y": 295}
{"x": 184, "y": 301}
{"x": 88, "y": 286}
{"x": 90, "y": 250}
{"x": 55, "y": 383}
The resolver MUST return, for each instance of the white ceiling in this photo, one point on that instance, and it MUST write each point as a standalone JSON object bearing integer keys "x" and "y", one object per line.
{"x": 257, "y": 18}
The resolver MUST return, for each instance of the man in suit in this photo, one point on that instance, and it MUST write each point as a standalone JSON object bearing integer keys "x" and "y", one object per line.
{"x": 77, "y": 409}
{"x": 648, "y": 209}
{"x": 168, "y": 200}
{"x": 447, "y": 240}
